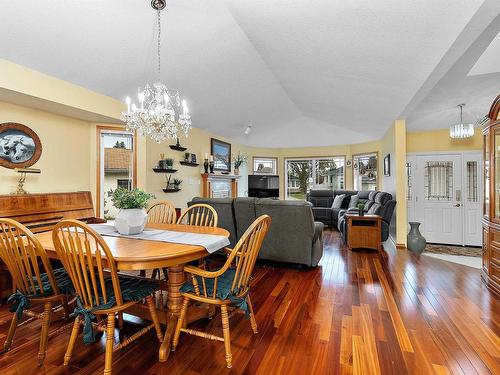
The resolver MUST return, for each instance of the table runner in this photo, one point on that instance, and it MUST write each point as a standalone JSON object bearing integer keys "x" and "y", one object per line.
{"x": 210, "y": 242}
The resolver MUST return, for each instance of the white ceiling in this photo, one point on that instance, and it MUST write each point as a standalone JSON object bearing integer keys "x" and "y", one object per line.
{"x": 303, "y": 72}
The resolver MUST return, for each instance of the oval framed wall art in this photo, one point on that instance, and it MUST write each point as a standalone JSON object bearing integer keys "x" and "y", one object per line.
{"x": 20, "y": 146}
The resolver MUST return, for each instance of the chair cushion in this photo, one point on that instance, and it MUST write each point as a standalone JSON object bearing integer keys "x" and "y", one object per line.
{"x": 224, "y": 283}
{"x": 132, "y": 288}
{"x": 337, "y": 201}
{"x": 20, "y": 301}
{"x": 353, "y": 202}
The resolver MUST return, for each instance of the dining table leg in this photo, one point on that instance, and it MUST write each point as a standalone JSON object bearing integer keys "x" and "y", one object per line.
{"x": 176, "y": 278}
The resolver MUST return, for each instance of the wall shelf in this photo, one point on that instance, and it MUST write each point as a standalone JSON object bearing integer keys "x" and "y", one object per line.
{"x": 178, "y": 148}
{"x": 188, "y": 163}
{"x": 171, "y": 190}
{"x": 164, "y": 170}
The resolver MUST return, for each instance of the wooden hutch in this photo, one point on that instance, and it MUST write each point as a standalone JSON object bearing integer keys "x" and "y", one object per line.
{"x": 491, "y": 209}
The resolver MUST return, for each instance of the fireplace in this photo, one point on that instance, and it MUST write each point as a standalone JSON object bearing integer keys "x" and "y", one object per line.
{"x": 219, "y": 185}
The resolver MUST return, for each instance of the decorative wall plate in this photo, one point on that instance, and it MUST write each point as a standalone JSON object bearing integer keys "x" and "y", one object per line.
{"x": 20, "y": 147}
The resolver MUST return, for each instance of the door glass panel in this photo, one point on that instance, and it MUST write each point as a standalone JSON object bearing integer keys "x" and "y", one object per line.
{"x": 409, "y": 192}
{"x": 486, "y": 187}
{"x": 438, "y": 181}
{"x": 497, "y": 175}
{"x": 472, "y": 182}
{"x": 365, "y": 172}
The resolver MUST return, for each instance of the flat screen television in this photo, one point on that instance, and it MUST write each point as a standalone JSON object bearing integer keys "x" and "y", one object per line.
{"x": 263, "y": 186}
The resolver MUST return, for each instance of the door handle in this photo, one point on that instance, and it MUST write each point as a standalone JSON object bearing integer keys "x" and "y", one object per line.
{"x": 457, "y": 205}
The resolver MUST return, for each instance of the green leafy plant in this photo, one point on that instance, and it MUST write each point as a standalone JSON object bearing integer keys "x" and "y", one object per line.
{"x": 239, "y": 160}
{"x": 361, "y": 206}
{"x": 169, "y": 162}
{"x": 177, "y": 182}
{"x": 126, "y": 199}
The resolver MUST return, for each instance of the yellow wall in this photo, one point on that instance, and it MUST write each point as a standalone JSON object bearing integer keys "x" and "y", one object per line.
{"x": 439, "y": 140}
{"x": 197, "y": 143}
{"x": 64, "y": 162}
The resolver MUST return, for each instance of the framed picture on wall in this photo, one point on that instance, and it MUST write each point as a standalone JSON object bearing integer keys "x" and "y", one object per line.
{"x": 20, "y": 147}
{"x": 221, "y": 152}
{"x": 387, "y": 165}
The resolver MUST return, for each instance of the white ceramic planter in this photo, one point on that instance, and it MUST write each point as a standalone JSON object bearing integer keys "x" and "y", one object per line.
{"x": 131, "y": 221}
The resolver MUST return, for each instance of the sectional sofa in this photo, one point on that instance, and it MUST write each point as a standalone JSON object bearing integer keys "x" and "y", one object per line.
{"x": 376, "y": 202}
{"x": 294, "y": 236}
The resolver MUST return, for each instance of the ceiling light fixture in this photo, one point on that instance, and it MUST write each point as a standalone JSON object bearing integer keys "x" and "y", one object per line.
{"x": 160, "y": 114}
{"x": 461, "y": 130}
{"x": 248, "y": 129}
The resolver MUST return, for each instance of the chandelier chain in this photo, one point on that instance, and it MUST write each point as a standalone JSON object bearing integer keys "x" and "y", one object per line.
{"x": 159, "y": 45}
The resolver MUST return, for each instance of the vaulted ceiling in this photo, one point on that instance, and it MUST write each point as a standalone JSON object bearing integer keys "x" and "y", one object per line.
{"x": 302, "y": 72}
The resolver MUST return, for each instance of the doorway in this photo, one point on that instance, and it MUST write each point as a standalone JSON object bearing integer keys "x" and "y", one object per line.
{"x": 116, "y": 166}
{"x": 444, "y": 195}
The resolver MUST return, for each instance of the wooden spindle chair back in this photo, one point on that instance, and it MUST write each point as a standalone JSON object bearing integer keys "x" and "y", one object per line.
{"x": 199, "y": 215}
{"x": 162, "y": 213}
{"x": 25, "y": 258}
{"x": 75, "y": 243}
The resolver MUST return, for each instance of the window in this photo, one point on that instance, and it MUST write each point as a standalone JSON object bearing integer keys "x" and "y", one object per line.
{"x": 472, "y": 182}
{"x": 319, "y": 173}
{"x": 365, "y": 171}
{"x": 265, "y": 165}
{"x": 438, "y": 181}
{"x": 409, "y": 192}
{"x": 127, "y": 184}
{"x": 116, "y": 164}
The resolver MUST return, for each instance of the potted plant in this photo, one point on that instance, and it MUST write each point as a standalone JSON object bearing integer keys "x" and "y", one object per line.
{"x": 361, "y": 208}
{"x": 169, "y": 163}
{"x": 239, "y": 160}
{"x": 132, "y": 204}
{"x": 177, "y": 183}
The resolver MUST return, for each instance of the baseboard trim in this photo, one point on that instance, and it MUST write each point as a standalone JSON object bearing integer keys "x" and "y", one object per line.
{"x": 400, "y": 246}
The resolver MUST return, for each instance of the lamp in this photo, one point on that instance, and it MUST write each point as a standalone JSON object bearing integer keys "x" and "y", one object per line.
{"x": 461, "y": 130}
{"x": 20, "y": 184}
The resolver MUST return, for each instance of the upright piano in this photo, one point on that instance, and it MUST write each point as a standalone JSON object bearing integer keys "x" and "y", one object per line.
{"x": 40, "y": 212}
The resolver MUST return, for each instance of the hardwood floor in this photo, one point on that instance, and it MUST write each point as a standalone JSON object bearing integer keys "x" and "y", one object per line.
{"x": 357, "y": 313}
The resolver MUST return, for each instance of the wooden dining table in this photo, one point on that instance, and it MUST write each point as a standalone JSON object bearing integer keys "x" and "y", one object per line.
{"x": 138, "y": 255}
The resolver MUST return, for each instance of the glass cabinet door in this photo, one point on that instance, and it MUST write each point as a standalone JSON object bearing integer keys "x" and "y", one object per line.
{"x": 496, "y": 176}
{"x": 486, "y": 185}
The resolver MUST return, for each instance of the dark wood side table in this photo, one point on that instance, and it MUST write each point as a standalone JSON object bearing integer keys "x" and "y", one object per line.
{"x": 364, "y": 231}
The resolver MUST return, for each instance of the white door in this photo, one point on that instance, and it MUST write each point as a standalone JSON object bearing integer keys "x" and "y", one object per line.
{"x": 439, "y": 198}
{"x": 472, "y": 199}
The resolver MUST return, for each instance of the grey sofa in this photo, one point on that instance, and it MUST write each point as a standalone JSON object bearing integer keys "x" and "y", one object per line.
{"x": 376, "y": 203}
{"x": 293, "y": 237}
{"x": 322, "y": 200}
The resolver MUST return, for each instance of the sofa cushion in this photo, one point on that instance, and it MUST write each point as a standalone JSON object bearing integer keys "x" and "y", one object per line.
{"x": 338, "y": 200}
{"x": 382, "y": 198}
{"x": 244, "y": 214}
{"x": 320, "y": 198}
{"x": 363, "y": 194}
{"x": 374, "y": 209}
{"x": 372, "y": 195}
{"x": 353, "y": 202}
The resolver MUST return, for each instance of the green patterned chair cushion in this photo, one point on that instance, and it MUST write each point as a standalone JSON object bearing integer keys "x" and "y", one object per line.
{"x": 224, "y": 283}
{"x": 20, "y": 301}
{"x": 132, "y": 288}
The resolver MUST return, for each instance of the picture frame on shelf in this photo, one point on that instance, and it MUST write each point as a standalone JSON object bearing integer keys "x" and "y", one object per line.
{"x": 193, "y": 158}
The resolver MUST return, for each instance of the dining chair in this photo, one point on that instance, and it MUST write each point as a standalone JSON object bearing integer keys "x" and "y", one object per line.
{"x": 100, "y": 290}
{"x": 199, "y": 214}
{"x": 230, "y": 285}
{"x": 36, "y": 283}
{"x": 162, "y": 212}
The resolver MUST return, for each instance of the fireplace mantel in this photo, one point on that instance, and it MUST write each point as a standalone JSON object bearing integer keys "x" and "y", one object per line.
{"x": 219, "y": 185}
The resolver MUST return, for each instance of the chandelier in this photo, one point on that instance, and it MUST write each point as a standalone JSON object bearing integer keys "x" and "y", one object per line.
{"x": 160, "y": 113}
{"x": 461, "y": 130}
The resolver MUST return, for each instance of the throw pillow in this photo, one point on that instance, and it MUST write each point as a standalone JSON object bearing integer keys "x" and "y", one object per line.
{"x": 337, "y": 202}
{"x": 353, "y": 203}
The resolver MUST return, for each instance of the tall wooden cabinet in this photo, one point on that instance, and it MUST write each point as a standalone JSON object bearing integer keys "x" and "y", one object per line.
{"x": 491, "y": 208}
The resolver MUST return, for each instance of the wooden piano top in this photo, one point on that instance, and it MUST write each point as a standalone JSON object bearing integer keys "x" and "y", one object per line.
{"x": 40, "y": 212}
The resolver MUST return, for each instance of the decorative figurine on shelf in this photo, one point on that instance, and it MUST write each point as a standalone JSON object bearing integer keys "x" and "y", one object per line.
{"x": 211, "y": 164}
{"x": 187, "y": 157}
{"x": 161, "y": 162}
{"x": 205, "y": 165}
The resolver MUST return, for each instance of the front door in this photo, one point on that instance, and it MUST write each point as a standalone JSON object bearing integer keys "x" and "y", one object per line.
{"x": 439, "y": 198}
{"x": 444, "y": 194}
